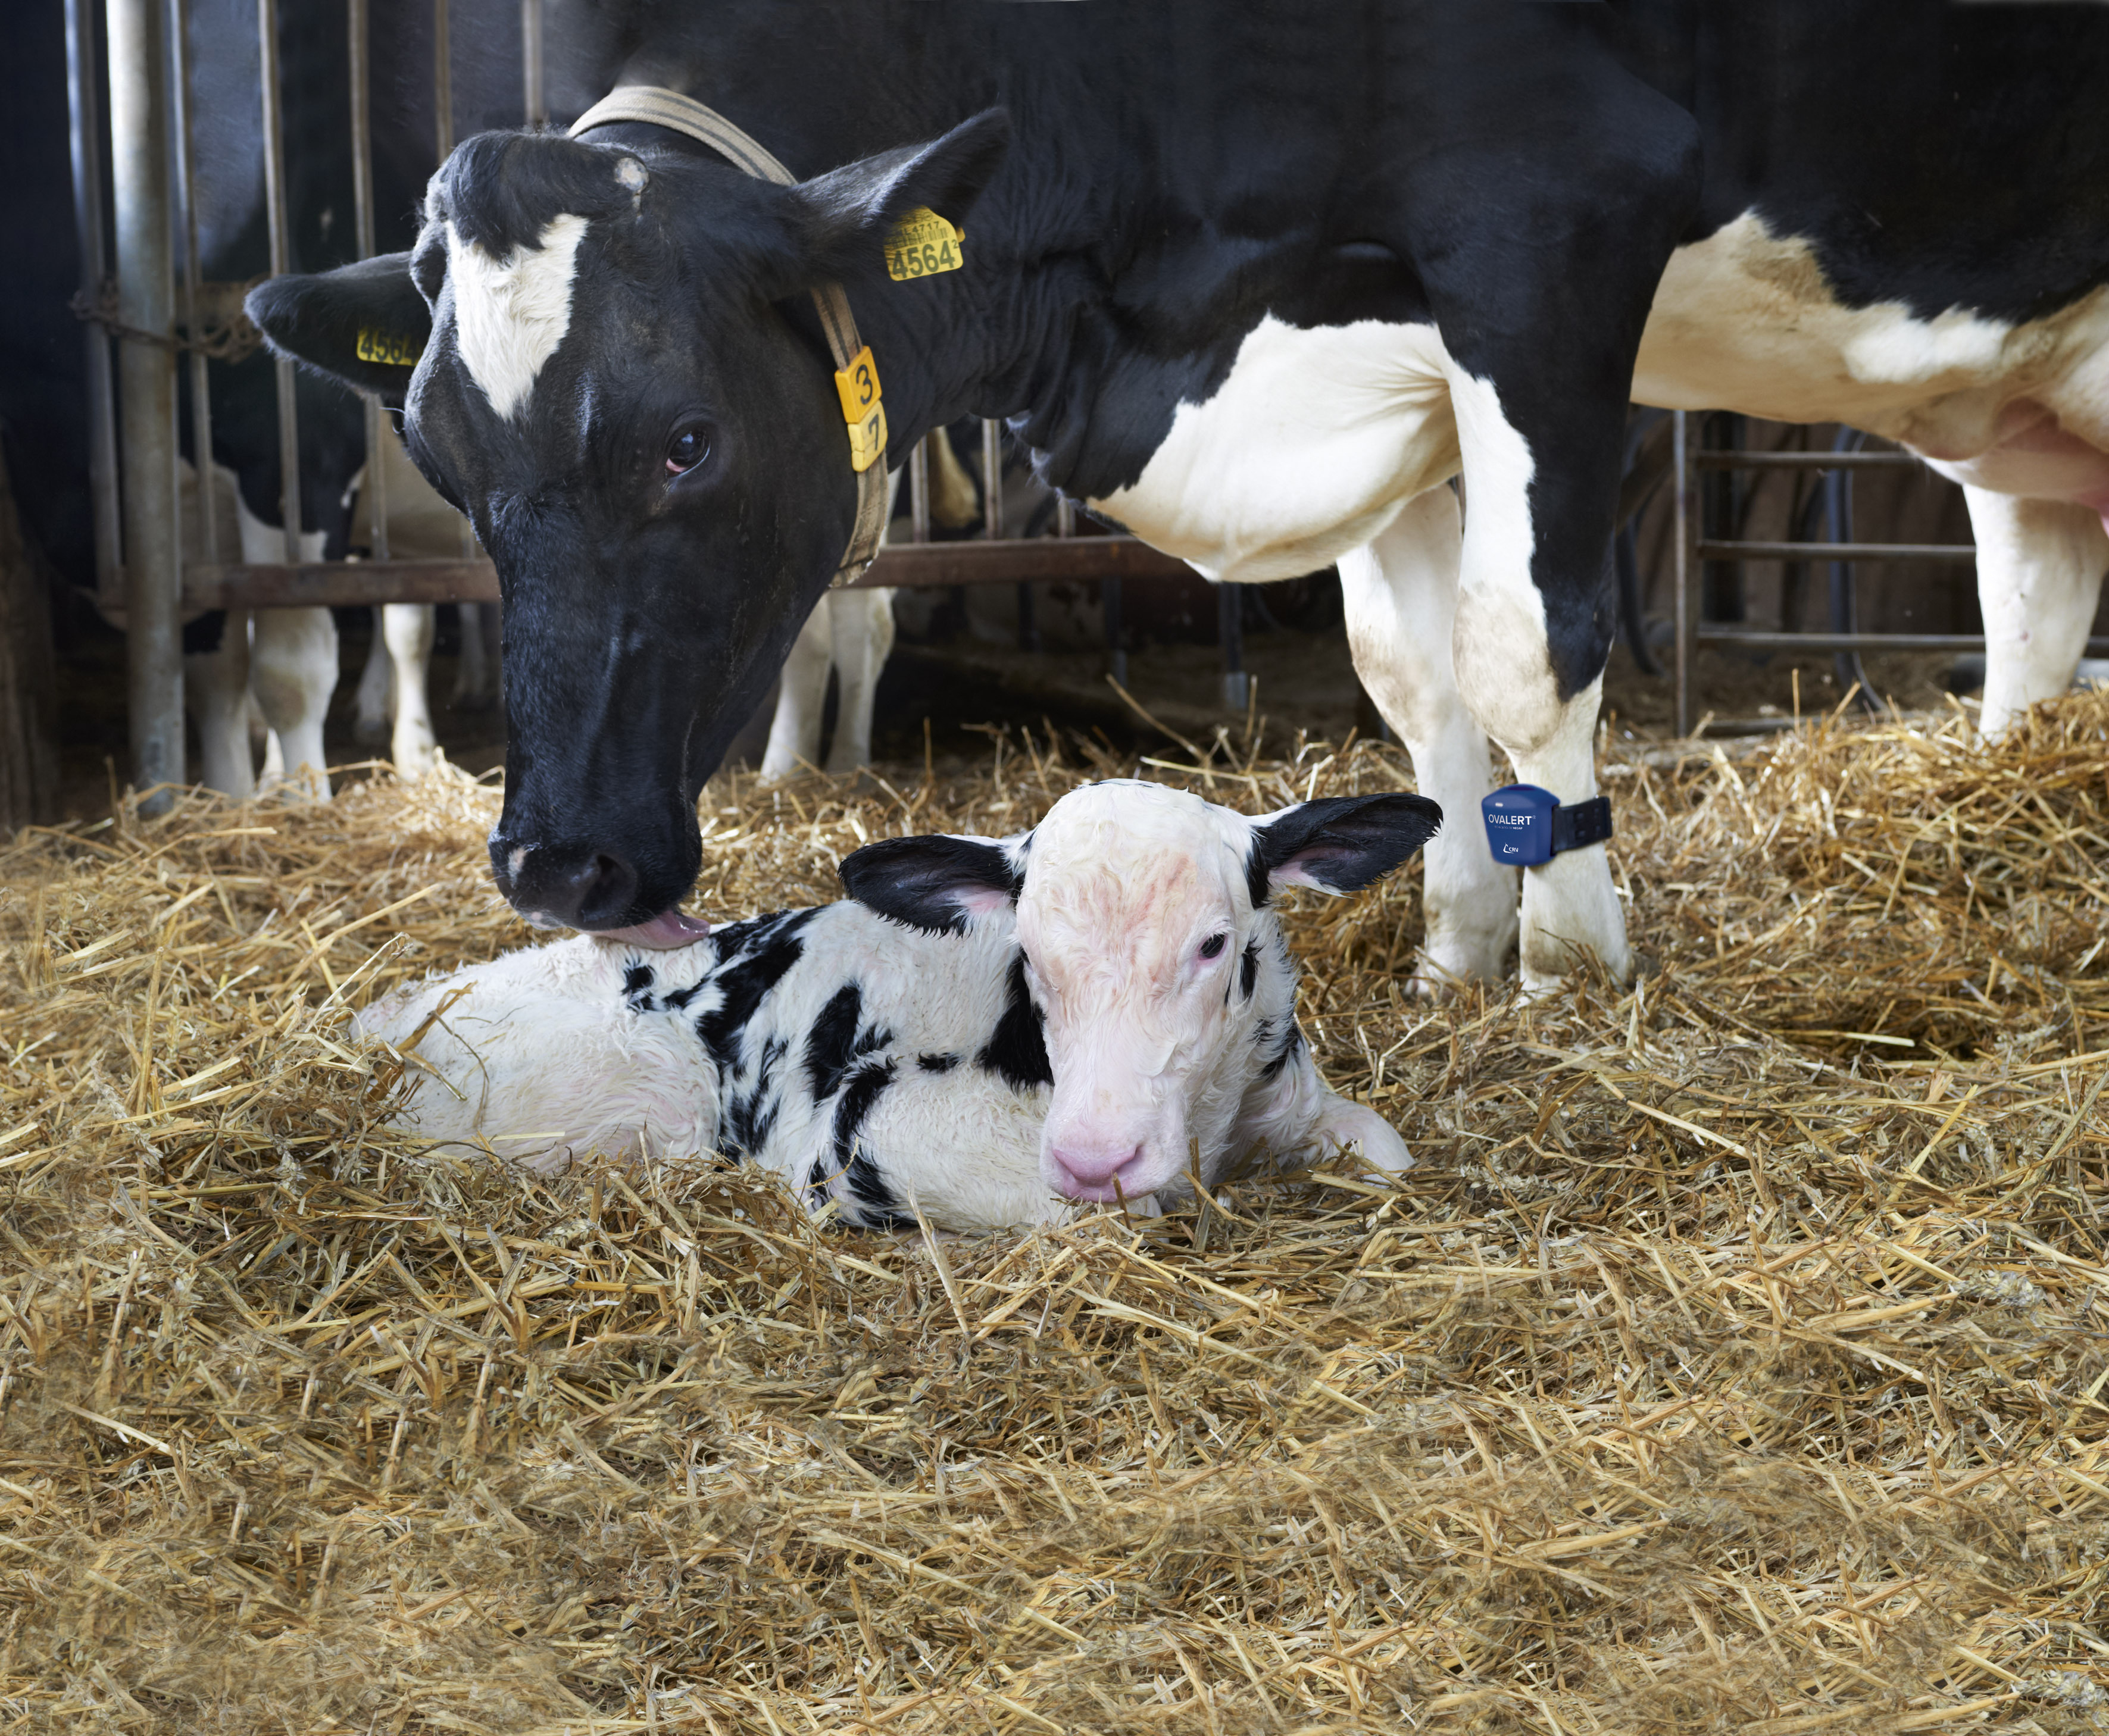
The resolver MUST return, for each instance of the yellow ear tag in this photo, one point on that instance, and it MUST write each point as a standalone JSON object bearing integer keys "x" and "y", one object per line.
{"x": 922, "y": 245}
{"x": 857, "y": 386}
{"x": 392, "y": 350}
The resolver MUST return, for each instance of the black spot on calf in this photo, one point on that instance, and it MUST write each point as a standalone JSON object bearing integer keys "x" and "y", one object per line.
{"x": 1249, "y": 969}
{"x": 1017, "y": 1052}
{"x": 771, "y": 945}
{"x": 830, "y": 1044}
{"x": 937, "y": 1063}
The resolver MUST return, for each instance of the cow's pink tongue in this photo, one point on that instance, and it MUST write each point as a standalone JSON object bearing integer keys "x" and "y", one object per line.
{"x": 664, "y": 932}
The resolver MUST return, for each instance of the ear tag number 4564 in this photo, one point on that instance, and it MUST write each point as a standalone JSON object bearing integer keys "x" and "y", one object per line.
{"x": 922, "y": 245}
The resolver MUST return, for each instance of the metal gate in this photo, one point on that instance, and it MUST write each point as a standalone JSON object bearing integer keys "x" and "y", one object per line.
{"x": 138, "y": 307}
{"x": 1692, "y": 551}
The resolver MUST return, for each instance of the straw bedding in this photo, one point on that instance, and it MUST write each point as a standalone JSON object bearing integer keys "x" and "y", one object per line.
{"x": 1733, "y": 1360}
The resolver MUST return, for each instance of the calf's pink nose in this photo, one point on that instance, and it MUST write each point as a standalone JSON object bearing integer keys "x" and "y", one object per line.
{"x": 1094, "y": 1173}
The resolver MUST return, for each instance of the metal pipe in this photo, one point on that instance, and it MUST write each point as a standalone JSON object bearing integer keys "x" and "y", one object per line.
{"x": 992, "y": 479}
{"x": 374, "y": 484}
{"x": 1065, "y": 517}
{"x": 88, "y": 219}
{"x": 193, "y": 276}
{"x": 1230, "y": 632}
{"x": 918, "y": 488}
{"x": 1109, "y": 600}
{"x": 1859, "y": 642}
{"x": 147, "y": 372}
{"x": 1684, "y": 542}
{"x": 536, "y": 89}
{"x": 443, "y": 83}
{"x": 274, "y": 205}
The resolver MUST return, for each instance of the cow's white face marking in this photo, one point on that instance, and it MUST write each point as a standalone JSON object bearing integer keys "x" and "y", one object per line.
{"x": 1305, "y": 451}
{"x": 510, "y": 313}
{"x": 1149, "y": 1032}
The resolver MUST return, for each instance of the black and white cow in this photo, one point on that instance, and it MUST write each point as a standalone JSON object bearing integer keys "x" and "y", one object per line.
{"x": 988, "y": 1030}
{"x": 1253, "y": 280}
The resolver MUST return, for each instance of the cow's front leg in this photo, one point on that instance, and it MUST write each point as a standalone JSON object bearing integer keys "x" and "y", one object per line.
{"x": 1401, "y": 593}
{"x": 794, "y": 732}
{"x": 408, "y": 629}
{"x": 1532, "y": 633}
{"x": 2040, "y": 568}
{"x": 216, "y": 695}
{"x": 860, "y": 625}
{"x": 293, "y": 669}
{"x": 374, "y": 703}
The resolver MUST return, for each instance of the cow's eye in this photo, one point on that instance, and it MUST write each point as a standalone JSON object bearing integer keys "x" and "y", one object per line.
{"x": 686, "y": 450}
{"x": 1212, "y": 947}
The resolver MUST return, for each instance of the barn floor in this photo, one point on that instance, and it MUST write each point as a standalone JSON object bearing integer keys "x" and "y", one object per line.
{"x": 1733, "y": 1360}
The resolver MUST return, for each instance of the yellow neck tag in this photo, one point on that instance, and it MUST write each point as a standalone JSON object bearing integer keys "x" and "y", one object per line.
{"x": 857, "y": 386}
{"x": 923, "y": 244}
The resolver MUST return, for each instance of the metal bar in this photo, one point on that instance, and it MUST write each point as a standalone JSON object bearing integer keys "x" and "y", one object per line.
{"x": 1860, "y": 641}
{"x": 1065, "y": 515}
{"x": 443, "y": 83}
{"x": 274, "y": 204}
{"x": 200, "y": 384}
{"x": 918, "y": 488}
{"x": 1720, "y": 551}
{"x": 375, "y": 482}
{"x": 1109, "y": 599}
{"x": 1230, "y": 636}
{"x": 234, "y": 584}
{"x": 1808, "y": 461}
{"x": 1685, "y": 565}
{"x": 534, "y": 85}
{"x": 992, "y": 479}
{"x": 88, "y": 218}
{"x": 139, "y": 179}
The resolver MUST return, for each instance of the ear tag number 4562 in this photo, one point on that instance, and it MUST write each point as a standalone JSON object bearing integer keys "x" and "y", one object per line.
{"x": 922, "y": 245}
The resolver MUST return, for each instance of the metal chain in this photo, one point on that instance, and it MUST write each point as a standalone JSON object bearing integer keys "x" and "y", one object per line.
{"x": 230, "y": 341}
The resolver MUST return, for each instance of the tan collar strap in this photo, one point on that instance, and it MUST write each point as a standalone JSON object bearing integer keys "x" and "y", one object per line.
{"x": 856, "y": 375}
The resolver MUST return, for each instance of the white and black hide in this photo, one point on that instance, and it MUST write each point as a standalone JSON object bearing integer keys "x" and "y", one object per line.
{"x": 989, "y": 1033}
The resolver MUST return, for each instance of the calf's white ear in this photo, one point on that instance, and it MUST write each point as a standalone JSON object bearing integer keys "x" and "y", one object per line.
{"x": 938, "y": 883}
{"x": 1338, "y": 843}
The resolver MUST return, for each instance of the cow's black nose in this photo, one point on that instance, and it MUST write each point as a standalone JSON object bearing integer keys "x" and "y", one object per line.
{"x": 559, "y": 888}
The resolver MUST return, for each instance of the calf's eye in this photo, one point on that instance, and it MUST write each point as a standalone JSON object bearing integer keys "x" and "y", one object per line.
{"x": 1212, "y": 947}
{"x": 686, "y": 450}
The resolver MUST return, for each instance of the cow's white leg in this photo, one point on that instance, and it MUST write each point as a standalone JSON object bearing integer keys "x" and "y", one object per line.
{"x": 860, "y": 625}
{"x": 1506, "y": 674}
{"x": 794, "y": 732}
{"x": 293, "y": 667}
{"x": 216, "y": 695}
{"x": 408, "y": 629}
{"x": 1401, "y": 593}
{"x": 2040, "y": 568}
{"x": 376, "y": 702}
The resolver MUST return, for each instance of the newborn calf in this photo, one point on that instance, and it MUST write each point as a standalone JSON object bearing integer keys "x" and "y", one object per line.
{"x": 993, "y": 1030}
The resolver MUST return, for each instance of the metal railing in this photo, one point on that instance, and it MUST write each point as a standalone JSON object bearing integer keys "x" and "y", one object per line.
{"x": 1692, "y": 549}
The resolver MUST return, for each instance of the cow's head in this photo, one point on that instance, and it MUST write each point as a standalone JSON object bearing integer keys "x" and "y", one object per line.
{"x": 1144, "y": 919}
{"x": 605, "y": 358}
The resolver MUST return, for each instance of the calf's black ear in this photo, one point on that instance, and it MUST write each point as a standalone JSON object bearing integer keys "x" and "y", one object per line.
{"x": 1338, "y": 843}
{"x": 937, "y": 884}
{"x": 364, "y": 324}
{"x": 841, "y": 219}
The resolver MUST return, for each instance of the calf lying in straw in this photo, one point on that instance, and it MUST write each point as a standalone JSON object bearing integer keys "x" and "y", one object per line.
{"x": 991, "y": 1031}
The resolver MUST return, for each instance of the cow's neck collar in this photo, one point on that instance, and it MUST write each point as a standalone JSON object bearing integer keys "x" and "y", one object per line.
{"x": 658, "y": 107}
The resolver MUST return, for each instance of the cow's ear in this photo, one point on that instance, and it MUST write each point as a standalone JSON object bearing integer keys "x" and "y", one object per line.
{"x": 1338, "y": 843}
{"x": 938, "y": 884}
{"x": 365, "y": 325}
{"x": 841, "y": 219}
